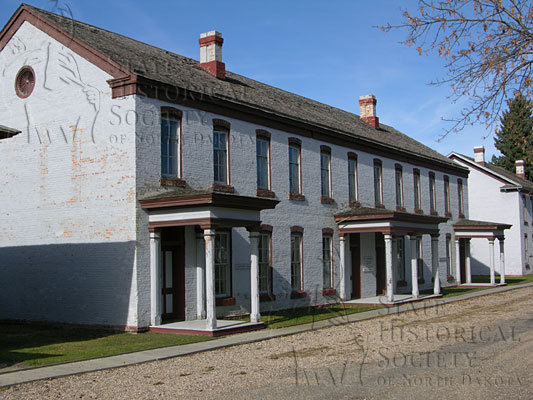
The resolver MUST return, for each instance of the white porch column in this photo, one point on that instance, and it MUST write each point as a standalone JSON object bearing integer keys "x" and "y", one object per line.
{"x": 457, "y": 262}
{"x": 468, "y": 265}
{"x": 200, "y": 277}
{"x": 342, "y": 267}
{"x": 255, "y": 316}
{"x": 435, "y": 263}
{"x": 414, "y": 268}
{"x": 502, "y": 260}
{"x": 155, "y": 278}
{"x": 491, "y": 261}
{"x": 211, "y": 314}
{"x": 388, "y": 267}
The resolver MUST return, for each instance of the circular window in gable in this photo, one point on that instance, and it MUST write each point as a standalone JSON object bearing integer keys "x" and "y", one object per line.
{"x": 25, "y": 82}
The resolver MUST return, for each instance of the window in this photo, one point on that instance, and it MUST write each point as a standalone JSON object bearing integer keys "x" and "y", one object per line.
{"x": 222, "y": 264}
{"x": 295, "y": 186}
{"x": 378, "y": 183}
{"x": 325, "y": 171}
{"x": 526, "y": 251}
{"x": 265, "y": 263}
{"x": 432, "y": 197}
{"x": 399, "y": 186}
{"x": 447, "y": 196}
{"x": 400, "y": 258}
{"x": 524, "y": 207}
{"x": 352, "y": 177}
{"x": 296, "y": 261}
{"x": 170, "y": 142}
{"x": 220, "y": 155}
{"x": 419, "y": 259}
{"x": 449, "y": 269}
{"x": 327, "y": 261}
{"x": 416, "y": 178}
{"x": 263, "y": 162}
{"x": 460, "y": 197}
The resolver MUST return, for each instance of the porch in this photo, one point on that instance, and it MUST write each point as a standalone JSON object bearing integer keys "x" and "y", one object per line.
{"x": 208, "y": 214}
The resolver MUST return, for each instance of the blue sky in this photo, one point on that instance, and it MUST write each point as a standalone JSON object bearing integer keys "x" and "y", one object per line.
{"x": 328, "y": 51}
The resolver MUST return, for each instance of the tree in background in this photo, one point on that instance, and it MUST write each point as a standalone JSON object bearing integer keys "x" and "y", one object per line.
{"x": 514, "y": 138}
{"x": 487, "y": 46}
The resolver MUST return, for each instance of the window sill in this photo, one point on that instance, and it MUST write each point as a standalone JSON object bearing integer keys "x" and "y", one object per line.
{"x": 354, "y": 203}
{"x": 379, "y": 205}
{"x": 296, "y": 197}
{"x": 225, "y": 301}
{"x": 172, "y": 182}
{"x": 267, "y": 297}
{"x": 433, "y": 212}
{"x": 265, "y": 193}
{"x": 450, "y": 278}
{"x": 223, "y": 188}
{"x": 401, "y": 283}
{"x": 448, "y": 214}
{"x": 298, "y": 294}
{"x": 327, "y": 200}
{"x": 461, "y": 215}
{"x": 419, "y": 211}
{"x": 400, "y": 208}
{"x": 329, "y": 292}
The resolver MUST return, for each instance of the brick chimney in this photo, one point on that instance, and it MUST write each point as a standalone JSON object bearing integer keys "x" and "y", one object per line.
{"x": 479, "y": 154}
{"x": 520, "y": 169}
{"x": 367, "y": 107}
{"x": 211, "y": 53}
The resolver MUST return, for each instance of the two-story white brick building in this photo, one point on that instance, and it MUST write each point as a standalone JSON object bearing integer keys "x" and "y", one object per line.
{"x": 147, "y": 187}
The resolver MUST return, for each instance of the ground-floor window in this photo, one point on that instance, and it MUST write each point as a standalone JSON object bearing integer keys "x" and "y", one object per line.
{"x": 327, "y": 264}
{"x": 296, "y": 261}
{"x": 265, "y": 265}
{"x": 400, "y": 258}
{"x": 419, "y": 259}
{"x": 526, "y": 250}
{"x": 222, "y": 264}
{"x": 449, "y": 270}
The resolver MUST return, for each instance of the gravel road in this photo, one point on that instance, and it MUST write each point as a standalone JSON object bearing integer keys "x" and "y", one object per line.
{"x": 391, "y": 356}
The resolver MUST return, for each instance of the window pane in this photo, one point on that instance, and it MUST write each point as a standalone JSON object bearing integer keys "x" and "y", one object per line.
{"x": 399, "y": 189}
{"x": 222, "y": 264}
{"x": 377, "y": 184}
{"x": 417, "y": 190}
{"x": 460, "y": 195}
{"x": 432, "y": 193}
{"x": 169, "y": 147}
{"x": 264, "y": 263}
{"x": 296, "y": 266}
{"x": 446, "y": 196}
{"x": 262, "y": 164}
{"x": 220, "y": 157}
{"x": 352, "y": 182}
{"x": 294, "y": 170}
{"x": 324, "y": 174}
{"x": 400, "y": 258}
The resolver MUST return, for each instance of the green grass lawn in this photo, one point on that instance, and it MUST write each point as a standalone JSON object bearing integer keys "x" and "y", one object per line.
{"x": 509, "y": 280}
{"x": 35, "y": 345}
{"x": 282, "y": 319}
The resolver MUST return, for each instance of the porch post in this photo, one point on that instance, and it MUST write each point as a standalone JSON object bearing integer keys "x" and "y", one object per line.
{"x": 435, "y": 263}
{"x": 457, "y": 262}
{"x": 491, "y": 261}
{"x": 502, "y": 260}
{"x": 414, "y": 268}
{"x": 388, "y": 267}
{"x": 255, "y": 316}
{"x": 342, "y": 266}
{"x": 209, "y": 237}
{"x": 155, "y": 278}
{"x": 200, "y": 277}
{"x": 467, "y": 266}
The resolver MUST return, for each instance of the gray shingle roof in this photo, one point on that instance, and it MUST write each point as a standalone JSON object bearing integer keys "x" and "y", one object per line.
{"x": 6, "y": 132}
{"x": 469, "y": 223}
{"x": 179, "y": 71}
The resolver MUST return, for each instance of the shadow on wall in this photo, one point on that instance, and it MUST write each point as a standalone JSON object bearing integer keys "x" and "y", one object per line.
{"x": 85, "y": 283}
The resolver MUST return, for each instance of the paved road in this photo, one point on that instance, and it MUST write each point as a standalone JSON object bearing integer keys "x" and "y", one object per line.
{"x": 476, "y": 349}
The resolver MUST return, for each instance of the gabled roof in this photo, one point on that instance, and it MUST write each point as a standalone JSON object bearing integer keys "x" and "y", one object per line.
{"x": 6, "y": 132}
{"x": 510, "y": 180}
{"x": 131, "y": 60}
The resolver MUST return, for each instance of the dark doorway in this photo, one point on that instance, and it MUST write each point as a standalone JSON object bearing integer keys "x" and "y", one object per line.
{"x": 381, "y": 284}
{"x": 462, "y": 259}
{"x": 173, "y": 274}
{"x": 355, "y": 247}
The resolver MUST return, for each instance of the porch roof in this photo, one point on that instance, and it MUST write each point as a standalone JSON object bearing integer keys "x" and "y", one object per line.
{"x": 369, "y": 219}
{"x": 6, "y": 132}
{"x": 206, "y": 208}
{"x": 466, "y": 228}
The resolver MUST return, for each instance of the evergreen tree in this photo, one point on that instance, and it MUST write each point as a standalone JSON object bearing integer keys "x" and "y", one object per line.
{"x": 515, "y": 136}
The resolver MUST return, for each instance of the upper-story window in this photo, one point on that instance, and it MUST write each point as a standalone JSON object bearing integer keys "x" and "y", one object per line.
{"x": 327, "y": 260}
{"x": 221, "y": 151}
{"x": 378, "y": 183}
{"x": 416, "y": 188}
{"x": 295, "y": 161}
{"x": 170, "y": 142}
{"x": 460, "y": 198}
{"x": 263, "y": 160}
{"x": 432, "y": 191}
{"x": 352, "y": 178}
{"x": 447, "y": 207}
{"x": 325, "y": 172}
{"x": 524, "y": 207}
{"x": 398, "y": 174}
